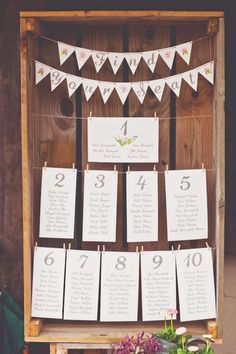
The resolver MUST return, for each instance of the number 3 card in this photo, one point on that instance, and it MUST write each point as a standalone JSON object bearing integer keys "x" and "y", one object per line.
{"x": 119, "y": 286}
{"x": 142, "y": 206}
{"x": 57, "y": 210}
{"x": 100, "y": 203}
{"x": 186, "y": 204}
{"x": 196, "y": 284}
{"x": 48, "y": 282}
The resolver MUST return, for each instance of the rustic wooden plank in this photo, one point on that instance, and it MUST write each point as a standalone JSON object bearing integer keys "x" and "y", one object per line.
{"x": 107, "y": 39}
{"x": 219, "y": 136}
{"x": 144, "y": 38}
{"x": 194, "y": 133}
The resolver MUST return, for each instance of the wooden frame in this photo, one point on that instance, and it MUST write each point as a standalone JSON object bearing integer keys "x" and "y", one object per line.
{"x": 100, "y": 335}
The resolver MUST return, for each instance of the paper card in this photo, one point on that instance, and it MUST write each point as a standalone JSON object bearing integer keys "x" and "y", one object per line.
{"x": 100, "y": 205}
{"x": 196, "y": 284}
{"x": 48, "y": 282}
{"x": 184, "y": 50}
{"x": 89, "y": 87}
{"x": 123, "y": 139}
{"x": 142, "y": 206}
{"x": 186, "y": 205}
{"x": 82, "y": 56}
{"x": 115, "y": 60}
{"x": 119, "y": 286}
{"x": 158, "y": 279}
{"x": 82, "y": 285}
{"x": 123, "y": 89}
{"x": 168, "y": 55}
{"x": 174, "y": 82}
{"x": 191, "y": 77}
{"x": 73, "y": 82}
{"x": 65, "y": 51}
{"x": 207, "y": 71}
{"x": 140, "y": 89}
{"x": 41, "y": 71}
{"x": 150, "y": 58}
{"x": 56, "y": 78}
{"x": 157, "y": 87}
{"x": 99, "y": 59}
{"x": 133, "y": 60}
{"x": 57, "y": 209}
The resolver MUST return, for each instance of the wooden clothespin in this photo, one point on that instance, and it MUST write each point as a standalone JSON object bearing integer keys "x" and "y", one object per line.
{"x": 207, "y": 245}
{"x": 103, "y": 248}
{"x": 73, "y": 166}
{"x": 87, "y": 167}
{"x": 128, "y": 169}
{"x": 203, "y": 167}
{"x": 69, "y": 246}
{"x": 167, "y": 167}
{"x": 179, "y": 246}
{"x": 36, "y": 246}
{"x": 154, "y": 168}
{"x": 45, "y": 165}
{"x": 98, "y": 248}
{"x": 90, "y": 115}
{"x": 64, "y": 246}
{"x": 115, "y": 168}
{"x": 142, "y": 249}
{"x": 136, "y": 249}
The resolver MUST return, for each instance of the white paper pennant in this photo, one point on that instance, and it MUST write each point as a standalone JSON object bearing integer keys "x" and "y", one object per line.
{"x": 106, "y": 89}
{"x": 157, "y": 87}
{"x": 99, "y": 59}
{"x": 73, "y": 82}
{"x": 133, "y": 60}
{"x": 184, "y": 50}
{"x": 150, "y": 58}
{"x": 115, "y": 60}
{"x": 56, "y": 78}
{"x": 123, "y": 89}
{"x": 89, "y": 87}
{"x": 82, "y": 56}
{"x": 65, "y": 51}
{"x": 41, "y": 71}
{"x": 207, "y": 71}
{"x": 174, "y": 82}
{"x": 140, "y": 89}
{"x": 168, "y": 55}
{"x": 191, "y": 77}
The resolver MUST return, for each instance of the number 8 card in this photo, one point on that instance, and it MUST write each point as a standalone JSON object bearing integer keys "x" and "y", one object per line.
{"x": 186, "y": 204}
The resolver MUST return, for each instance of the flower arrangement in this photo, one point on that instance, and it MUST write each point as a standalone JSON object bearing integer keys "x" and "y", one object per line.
{"x": 122, "y": 141}
{"x": 167, "y": 341}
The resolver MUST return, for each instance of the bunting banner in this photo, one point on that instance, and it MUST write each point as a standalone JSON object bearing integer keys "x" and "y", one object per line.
{"x": 133, "y": 59}
{"x": 123, "y": 88}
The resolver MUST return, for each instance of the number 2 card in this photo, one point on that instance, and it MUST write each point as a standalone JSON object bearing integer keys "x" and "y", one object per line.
{"x": 57, "y": 210}
{"x": 100, "y": 205}
{"x": 186, "y": 204}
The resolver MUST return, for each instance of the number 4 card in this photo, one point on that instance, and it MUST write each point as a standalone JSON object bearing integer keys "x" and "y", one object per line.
{"x": 100, "y": 203}
{"x": 186, "y": 204}
{"x": 196, "y": 284}
{"x": 142, "y": 206}
{"x": 57, "y": 210}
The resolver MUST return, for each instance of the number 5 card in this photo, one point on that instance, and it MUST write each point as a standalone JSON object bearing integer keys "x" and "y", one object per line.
{"x": 100, "y": 203}
{"x": 57, "y": 210}
{"x": 186, "y": 204}
{"x": 196, "y": 284}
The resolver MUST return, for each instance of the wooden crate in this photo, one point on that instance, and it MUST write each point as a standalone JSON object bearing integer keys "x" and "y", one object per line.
{"x": 195, "y": 136}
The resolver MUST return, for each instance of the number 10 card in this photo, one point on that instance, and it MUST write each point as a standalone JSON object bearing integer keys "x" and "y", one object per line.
{"x": 186, "y": 204}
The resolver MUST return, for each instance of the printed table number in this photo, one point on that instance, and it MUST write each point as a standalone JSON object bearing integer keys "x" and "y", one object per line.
{"x": 196, "y": 284}
{"x": 142, "y": 206}
{"x": 186, "y": 205}
{"x": 48, "y": 282}
{"x": 119, "y": 286}
{"x": 158, "y": 278}
{"x": 57, "y": 210}
{"x": 82, "y": 285}
{"x": 100, "y": 204}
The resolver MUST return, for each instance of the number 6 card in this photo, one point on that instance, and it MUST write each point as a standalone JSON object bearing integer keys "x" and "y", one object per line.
{"x": 100, "y": 203}
{"x": 57, "y": 210}
{"x": 186, "y": 205}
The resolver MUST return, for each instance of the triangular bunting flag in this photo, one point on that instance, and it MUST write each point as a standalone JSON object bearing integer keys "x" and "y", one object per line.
{"x": 115, "y": 60}
{"x": 191, "y": 77}
{"x": 65, "y": 51}
{"x": 168, "y": 55}
{"x": 174, "y": 82}
{"x": 41, "y": 71}
{"x": 73, "y": 82}
{"x": 133, "y": 60}
{"x": 207, "y": 70}
{"x": 140, "y": 89}
{"x": 99, "y": 59}
{"x": 184, "y": 50}
{"x": 157, "y": 87}
{"x": 150, "y": 58}
{"x": 89, "y": 87}
{"x": 123, "y": 89}
{"x": 82, "y": 56}
{"x": 106, "y": 89}
{"x": 56, "y": 77}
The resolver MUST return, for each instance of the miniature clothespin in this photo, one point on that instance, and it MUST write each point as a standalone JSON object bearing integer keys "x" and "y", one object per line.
{"x": 45, "y": 165}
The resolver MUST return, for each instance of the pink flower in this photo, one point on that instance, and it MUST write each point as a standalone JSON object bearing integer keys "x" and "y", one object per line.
{"x": 64, "y": 51}
{"x": 208, "y": 71}
{"x": 167, "y": 55}
{"x": 41, "y": 71}
{"x": 172, "y": 312}
{"x": 82, "y": 55}
{"x": 185, "y": 51}
{"x": 123, "y": 89}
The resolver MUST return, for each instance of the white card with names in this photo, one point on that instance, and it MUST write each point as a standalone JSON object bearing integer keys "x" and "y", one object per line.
{"x": 82, "y": 285}
{"x": 100, "y": 206}
{"x": 48, "y": 282}
{"x": 57, "y": 209}
{"x": 186, "y": 204}
{"x": 142, "y": 206}
{"x": 119, "y": 286}
{"x": 196, "y": 284}
{"x": 123, "y": 139}
{"x": 158, "y": 279}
